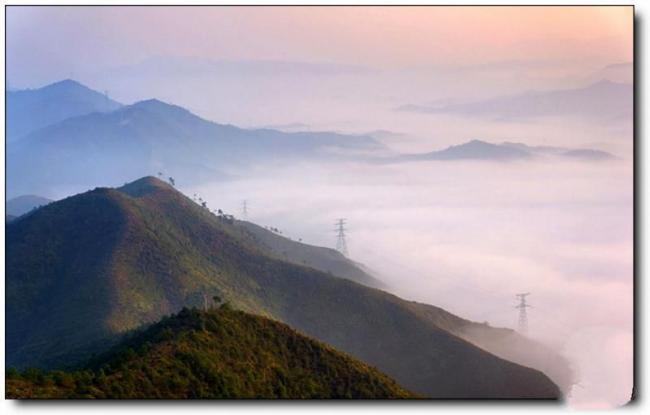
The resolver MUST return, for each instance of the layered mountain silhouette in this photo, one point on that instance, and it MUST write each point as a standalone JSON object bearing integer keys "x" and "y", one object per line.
{"x": 22, "y": 204}
{"x": 110, "y": 148}
{"x": 214, "y": 354}
{"x": 508, "y": 151}
{"x": 605, "y": 100}
{"x": 31, "y": 109}
{"x": 83, "y": 271}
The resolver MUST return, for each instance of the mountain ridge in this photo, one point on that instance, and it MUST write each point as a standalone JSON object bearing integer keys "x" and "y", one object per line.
{"x": 602, "y": 99}
{"x": 83, "y": 150}
{"x": 213, "y": 354}
{"x": 507, "y": 151}
{"x": 31, "y": 109}
{"x": 324, "y": 259}
{"x": 132, "y": 260}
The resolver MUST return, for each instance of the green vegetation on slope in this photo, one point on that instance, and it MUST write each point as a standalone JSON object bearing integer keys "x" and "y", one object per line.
{"x": 323, "y": 259}
{"x": 84, "y": 270}
{"x": 221, "y": 353}
{"x": 505, "y": 343}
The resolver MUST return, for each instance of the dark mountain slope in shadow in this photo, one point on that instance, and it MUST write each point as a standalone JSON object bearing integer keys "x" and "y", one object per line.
{"x": 96, "y": 265}
{"x": 215, "y": 354}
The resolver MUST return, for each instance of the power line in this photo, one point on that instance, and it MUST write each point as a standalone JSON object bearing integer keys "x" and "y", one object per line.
{"x": 523, "y": 315}
{"x": 341, "y": 244}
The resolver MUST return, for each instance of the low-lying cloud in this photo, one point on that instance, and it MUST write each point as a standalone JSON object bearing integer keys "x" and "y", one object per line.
{"x": 467, "y": 236}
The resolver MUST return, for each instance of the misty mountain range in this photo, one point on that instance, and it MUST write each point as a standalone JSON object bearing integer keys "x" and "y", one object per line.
{"x": 31, "y": 109}
{"x": 605, "y": 100}
{"x": 507, "y": 151}
{"x": 84, "y": 271}
{"x": 94, "y": 147}
{"x": 67, "y": 135}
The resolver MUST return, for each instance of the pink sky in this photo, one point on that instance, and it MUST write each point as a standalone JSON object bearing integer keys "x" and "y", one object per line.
{"x": 80, "y": 37}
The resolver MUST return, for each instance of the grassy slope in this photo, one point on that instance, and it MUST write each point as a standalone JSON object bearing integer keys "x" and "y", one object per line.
{"x": 58, "y": 283}
{"x": 221, "y": 353}
{"x": 323, "y": 259}
{"x": 161, "y": 251}
{"x": 502, "y": 342}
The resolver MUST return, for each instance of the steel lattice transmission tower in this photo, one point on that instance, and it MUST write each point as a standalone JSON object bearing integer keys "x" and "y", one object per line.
{"x": 341, "y": 244}
{"x": 523, "y": 315}
{"x": 244, "y": 209}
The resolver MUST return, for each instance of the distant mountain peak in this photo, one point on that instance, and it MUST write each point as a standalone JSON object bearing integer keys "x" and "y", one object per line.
{"x": 162, "y": 107}
{"x": 151, "y": 133}
{"x": 507, "y": 150}
{"x": 22, "y": 204}
{"x": 66, "y": 83}
{"x": 607, "y": 84}
{"x": 71, "y": 86}
{"x": 153, "y": 102}
{"x": 604, "y": 99}
{"x": 31, "y": 109}
{"x": 477, "y": 142}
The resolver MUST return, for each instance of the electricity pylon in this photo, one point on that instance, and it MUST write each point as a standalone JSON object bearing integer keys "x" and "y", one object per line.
{"x": 341, "y": 244}
{"x": 523, "y": 315}
{"x": 244, "y": 209}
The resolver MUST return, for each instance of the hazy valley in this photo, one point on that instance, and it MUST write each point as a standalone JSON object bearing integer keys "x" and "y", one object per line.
{"x": 152, "y": 250}
{"x": 339, "y": 204}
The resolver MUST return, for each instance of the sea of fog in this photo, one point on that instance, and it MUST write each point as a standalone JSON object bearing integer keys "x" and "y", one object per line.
{"x": 468, "y": 236}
